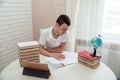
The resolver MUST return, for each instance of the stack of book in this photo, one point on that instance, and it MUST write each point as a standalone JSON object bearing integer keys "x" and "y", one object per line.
{"x": 29, "y": 55}
{"x": 86, "y": 59}
{"x": 29, "y": 52}
{"x": 30, "y": 61}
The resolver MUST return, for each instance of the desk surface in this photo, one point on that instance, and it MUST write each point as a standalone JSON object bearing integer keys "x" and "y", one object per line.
{"x": 81, "y": 72}
{"x": 70, "y": 72}
{"x": 14, "y": 72}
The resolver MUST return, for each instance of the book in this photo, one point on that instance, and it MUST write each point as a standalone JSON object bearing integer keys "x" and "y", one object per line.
{"x": 90, "y": 61}
{"x": 29, "y": 53}
{"x": 27, "y": 45}
{"x": 30, "y": 59}
{"x": 29, "y": 50}
{"x": 29, "y": 56}
{"x": 70, "y": 58}
{"x": 90, "y": 66}
{"x": 40, "y": 66}
{"x": 87, "y": 55}
{"x": 36, "y": 73}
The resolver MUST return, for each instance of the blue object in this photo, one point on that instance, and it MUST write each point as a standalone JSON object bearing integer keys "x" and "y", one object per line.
{"x": 96, "y": 42}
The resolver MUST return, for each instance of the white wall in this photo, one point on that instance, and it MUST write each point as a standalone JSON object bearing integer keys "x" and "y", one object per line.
{"x": 15, "y": 26}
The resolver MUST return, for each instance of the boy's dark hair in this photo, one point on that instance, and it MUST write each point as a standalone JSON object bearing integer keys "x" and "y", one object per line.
{"x": 63, "y": 19}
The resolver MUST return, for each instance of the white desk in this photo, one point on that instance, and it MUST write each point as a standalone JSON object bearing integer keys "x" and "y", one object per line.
{"x": 81, "y": 72}
{"x": 14, "y": 72}
{"x": 70, "y": 72}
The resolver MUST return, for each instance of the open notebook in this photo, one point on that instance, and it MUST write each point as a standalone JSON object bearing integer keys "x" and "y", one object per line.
{"x": 70, "y": 57}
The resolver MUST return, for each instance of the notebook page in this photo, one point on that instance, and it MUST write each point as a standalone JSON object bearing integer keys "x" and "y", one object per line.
{"x": 70, "y": 57}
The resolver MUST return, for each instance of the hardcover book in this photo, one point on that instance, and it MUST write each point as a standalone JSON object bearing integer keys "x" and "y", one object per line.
{"x": 90, "y": 66}
{"x": 88, "y": 60}
{"x": 36, "y": 73}
{"x": 87, "y": 55}
{"x": 89, "y": 63}
{"x": 27, "y": 45}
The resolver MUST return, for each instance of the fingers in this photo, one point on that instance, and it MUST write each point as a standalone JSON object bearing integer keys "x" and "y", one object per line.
{"x": 62, "y": 56}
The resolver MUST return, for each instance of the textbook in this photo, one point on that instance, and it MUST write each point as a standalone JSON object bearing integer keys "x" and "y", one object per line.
{"x": 70, "y": 58}
{"x": 88, "y": 65}
{"x": 90, "y": 61}
{"x": 28, "y": 45}
{"x": 87, "y": 55}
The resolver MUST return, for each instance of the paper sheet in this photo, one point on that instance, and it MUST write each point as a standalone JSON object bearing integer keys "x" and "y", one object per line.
{"x": 70, "y": 57}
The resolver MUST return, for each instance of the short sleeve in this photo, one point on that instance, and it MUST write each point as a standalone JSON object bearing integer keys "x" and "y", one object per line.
{"x": 65, "y": 37}
{"x": 43, "y": 37}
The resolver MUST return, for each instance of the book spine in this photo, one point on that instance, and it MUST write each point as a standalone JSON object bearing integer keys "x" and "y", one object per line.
{"x": 29, "y": 50}
{"x": 31, "y": 61}
{"x": 90, "y": 66}
{"x": 90, "y": 61}
{"x": 35, "y": 65}
{"x": 29, "y": 47}
{"x": 87, "y": 55}
{"x": 29, "y": 56}
{"x": 29, "y": 53}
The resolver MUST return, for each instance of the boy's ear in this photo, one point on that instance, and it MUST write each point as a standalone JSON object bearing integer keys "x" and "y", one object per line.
{"x": 56, "y": 24}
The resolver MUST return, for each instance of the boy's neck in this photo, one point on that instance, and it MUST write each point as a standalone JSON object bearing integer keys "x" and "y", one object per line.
{"x": 54, "y": 34}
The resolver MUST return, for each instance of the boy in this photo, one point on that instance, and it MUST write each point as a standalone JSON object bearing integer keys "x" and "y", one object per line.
{"x": 54, "y": 39}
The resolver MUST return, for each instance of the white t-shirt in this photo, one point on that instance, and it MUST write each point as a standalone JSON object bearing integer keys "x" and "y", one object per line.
{"x": 47, "y": 39}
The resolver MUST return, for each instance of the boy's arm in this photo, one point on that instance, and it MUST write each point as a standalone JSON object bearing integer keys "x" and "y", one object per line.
{"x": 59, "y": 49}
{"x": 51, "y": 54}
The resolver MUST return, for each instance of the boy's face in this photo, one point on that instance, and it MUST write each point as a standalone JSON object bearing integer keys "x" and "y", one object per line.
{"x": 62, "y": 28}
